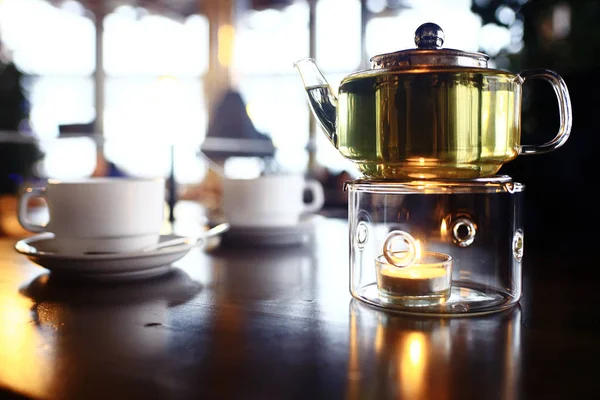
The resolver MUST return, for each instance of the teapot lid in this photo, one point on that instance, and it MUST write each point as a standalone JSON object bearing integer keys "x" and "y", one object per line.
{"x": 429, "y": 38}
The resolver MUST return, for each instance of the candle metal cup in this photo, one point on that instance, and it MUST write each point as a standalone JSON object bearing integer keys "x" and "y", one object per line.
{"x": 425, "y": 282}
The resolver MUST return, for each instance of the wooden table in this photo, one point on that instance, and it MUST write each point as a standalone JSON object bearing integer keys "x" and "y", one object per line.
{"x": 281, "y": 324}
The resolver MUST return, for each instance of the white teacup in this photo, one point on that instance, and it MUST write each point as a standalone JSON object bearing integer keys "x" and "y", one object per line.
{"x": 270, "y": 200}
{"x": 99, "y": 214}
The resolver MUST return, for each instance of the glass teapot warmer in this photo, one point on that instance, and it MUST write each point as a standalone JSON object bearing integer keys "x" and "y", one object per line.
{"x": 445, "y": 247}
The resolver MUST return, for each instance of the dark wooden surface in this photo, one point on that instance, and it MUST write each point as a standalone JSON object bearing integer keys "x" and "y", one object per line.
{"x": 235, "y": 323}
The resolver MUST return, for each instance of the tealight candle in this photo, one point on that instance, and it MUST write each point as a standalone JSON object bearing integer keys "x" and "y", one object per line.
{"x": 427, "y": 278}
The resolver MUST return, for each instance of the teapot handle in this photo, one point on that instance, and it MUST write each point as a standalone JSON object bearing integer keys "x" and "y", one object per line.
{"x": 564, "y": 110}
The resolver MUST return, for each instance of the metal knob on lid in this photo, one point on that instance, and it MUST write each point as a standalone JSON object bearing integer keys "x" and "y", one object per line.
{"x": 429, "y": 36}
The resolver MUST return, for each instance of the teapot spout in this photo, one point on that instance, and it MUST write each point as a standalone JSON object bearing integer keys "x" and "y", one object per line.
{"x": 321, "y": 97}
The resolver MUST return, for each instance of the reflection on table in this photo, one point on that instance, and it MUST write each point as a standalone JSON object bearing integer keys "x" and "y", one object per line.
{"x": 279, "y": 322}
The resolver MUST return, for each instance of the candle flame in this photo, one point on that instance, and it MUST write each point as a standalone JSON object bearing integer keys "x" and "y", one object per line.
{"x": 443, "y": 228}
{"x": 417, "y": 251}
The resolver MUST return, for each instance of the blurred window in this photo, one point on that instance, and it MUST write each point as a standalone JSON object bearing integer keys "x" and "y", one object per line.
{"x": 338, "y": 53}
{"x": 267, "y": 45}
{"x": 154, "y": 68}
{"x": 54, "y": 46}
{"x": 154, "y": 92}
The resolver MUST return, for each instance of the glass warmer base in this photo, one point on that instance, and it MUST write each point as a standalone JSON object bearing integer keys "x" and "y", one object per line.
{"x": 466, "y": 299}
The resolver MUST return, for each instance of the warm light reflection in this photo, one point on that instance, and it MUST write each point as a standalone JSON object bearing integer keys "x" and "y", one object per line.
{"x": 463, "y": 292}
{"x": 353, "y": 364}
{"x": 250, "y": 110}
{"x": 443, "y": 229}
{"x": 225, "y": 51}
{"x": 413, "y": 363}
{"x": 379, "y": 337}
{"x": 417, "y": 251}
{"x": 167, "y": 81}
{"x": 24, "y": 363}
{"x": 412, "y": 358}
{"x": 415, "y": 350}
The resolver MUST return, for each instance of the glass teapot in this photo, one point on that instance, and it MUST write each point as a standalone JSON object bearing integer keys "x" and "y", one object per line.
{"x": 429, "y": 112}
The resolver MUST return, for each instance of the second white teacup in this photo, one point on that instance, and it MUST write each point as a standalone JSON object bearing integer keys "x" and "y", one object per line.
{"x": 97, "y": 215}
{"x": 270, "y": 200}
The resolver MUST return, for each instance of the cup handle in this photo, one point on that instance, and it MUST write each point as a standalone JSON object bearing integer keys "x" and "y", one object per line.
{"x": 564, "y": 110}
{"x": 318, "y": 196}
{"x": 22, "y": 210}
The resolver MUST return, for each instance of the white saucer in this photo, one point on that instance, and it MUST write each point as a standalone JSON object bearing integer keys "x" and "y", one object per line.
{"x": 109, "y": 266}
{"x": 272, "y": 235}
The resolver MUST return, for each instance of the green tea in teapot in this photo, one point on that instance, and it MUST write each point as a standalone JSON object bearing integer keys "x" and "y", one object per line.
{"x": 450, "y": 123}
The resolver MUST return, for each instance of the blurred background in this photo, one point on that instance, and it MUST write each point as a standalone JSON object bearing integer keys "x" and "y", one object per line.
{"x": 187, "y": 89}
